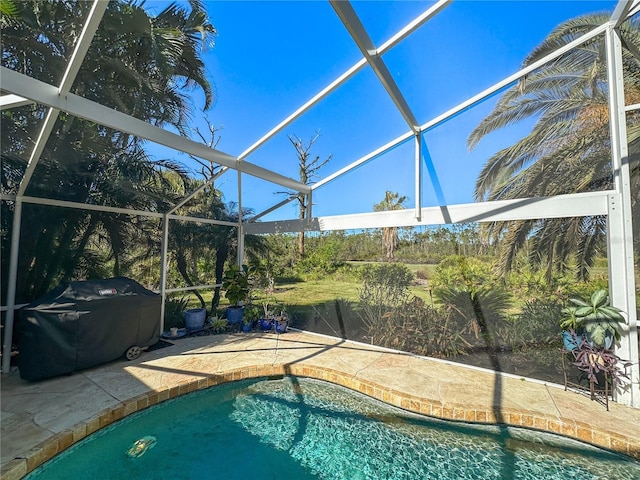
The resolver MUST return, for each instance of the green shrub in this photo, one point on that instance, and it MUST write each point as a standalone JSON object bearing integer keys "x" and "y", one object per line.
{"x": 472, "y": 294}
{"x": 422, "y": 274}
{"x": 347, "y": 273}
{"x": 419, "y": 328}
{"x": 483, "y": 311}
{"x": 539, "y": 320}
{"x": 585, "y": 289}
{"x": 174, "y": 312}
{"x": 463, "y": 273}
{"x": 535, "y": 325}
{"x": 384, "y": 288}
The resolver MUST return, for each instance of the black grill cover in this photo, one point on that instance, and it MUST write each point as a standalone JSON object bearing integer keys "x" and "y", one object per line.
{"x": 82, "y": 324}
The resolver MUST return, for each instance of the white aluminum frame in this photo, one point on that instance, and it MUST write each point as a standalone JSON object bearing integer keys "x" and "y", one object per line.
{"x": 619, "y": 228}
{"x": 615, "y": 204}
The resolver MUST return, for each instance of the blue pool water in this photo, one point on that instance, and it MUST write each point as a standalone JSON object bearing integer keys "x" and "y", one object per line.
{"x": 296, "y": 428}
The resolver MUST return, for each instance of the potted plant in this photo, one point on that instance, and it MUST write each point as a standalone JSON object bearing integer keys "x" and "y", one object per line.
{"x": 599, "y": 367}
{"x": 595, "y": 318}
{"x": 251, "y": 317}
{"x": 597, "y": 361}
{"x": 194, "y": 319}
{"x": 236, "y": 286}
{"x": 281, "y": 321}
{"x": 590, "y": 330}
{"x": 266, "y": 322}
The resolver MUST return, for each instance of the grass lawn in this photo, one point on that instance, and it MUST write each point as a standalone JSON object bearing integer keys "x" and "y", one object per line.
{"x": 314, "y": 292}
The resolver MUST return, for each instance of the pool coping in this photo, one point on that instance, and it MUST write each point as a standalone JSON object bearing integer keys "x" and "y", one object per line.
{"x": 448, "y": 410}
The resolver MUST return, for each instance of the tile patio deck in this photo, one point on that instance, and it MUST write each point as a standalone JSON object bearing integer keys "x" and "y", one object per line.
{"x": 40, "y": 419}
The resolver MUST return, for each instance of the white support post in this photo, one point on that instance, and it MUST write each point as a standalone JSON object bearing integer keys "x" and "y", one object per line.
{"x": 163, "y": 268}
{"x": 418, "y": 175}
{"x": 240, "y": 226}
{"x": 240, "y": 244}
{"x": 309, "y": 212}
{"x": 619, "y": 228}
{"x": 11, "y": 286}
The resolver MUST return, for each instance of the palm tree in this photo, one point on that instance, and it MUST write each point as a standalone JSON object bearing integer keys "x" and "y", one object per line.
{"x": 8, "y": 12}
{"x": 137, "y": 63}
{"x": 390, "y": 240}
{"x": 568, "y": 149}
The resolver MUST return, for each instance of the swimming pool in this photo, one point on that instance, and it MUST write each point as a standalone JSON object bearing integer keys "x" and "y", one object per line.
{"x": 298, "y": 428}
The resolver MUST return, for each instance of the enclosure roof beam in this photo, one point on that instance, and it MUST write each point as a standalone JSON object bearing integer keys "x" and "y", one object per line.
{"x": 272, "y": 209}
{"x": 360, "y": 36}
{"x": 197, "y": 191}
{"x": 106, "y": 208}
{"x": 304, "y": 108}
{"x": 13, "y": 101}
{"x": 412, "y": 26}
{"x": 571, "y": 205}
{"x": 461, "y": 107}
{"x": 624, "y": 9}
{"x": 45, "y": 94}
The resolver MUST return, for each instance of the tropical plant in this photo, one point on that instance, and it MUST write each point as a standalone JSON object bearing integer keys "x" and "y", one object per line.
{"x": 137, "y": 63}
{"x": 419, "y": 328}
{"x": 568, "y": 149}
{"x": 195, "y": 246}
{"x": 468, "y": 288}
{"x": 384, "y": 289}
{"x": 252, "y": 313}
{"x": 218, "y": 324}
{"x": 225, "y": 244}
{"x": 174, "y": 311}
{"x": 596, "y": 317}
{"x": 236, "y": 284}
{"x": 8, "y": 12}
{"x": 390, "y": 239}
{"x": 537, "y": 321}
{"x": 482, "y": 309}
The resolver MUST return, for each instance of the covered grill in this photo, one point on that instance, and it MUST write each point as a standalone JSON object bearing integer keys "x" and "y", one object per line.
{"x": 82, "y": 324}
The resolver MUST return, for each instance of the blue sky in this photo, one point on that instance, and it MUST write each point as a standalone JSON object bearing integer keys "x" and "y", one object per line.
{"x": 271, "y": 57}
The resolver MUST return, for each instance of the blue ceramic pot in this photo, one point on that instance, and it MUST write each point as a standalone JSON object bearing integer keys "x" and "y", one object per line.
{"x": 266, "y": 324}
{"x": 235, "y": 315}
{"x": 281, "y": 325}
{"x": 194, "y": 319}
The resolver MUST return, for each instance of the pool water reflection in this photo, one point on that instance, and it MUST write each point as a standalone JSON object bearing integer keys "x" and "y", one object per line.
{"x": 297, "y": 428}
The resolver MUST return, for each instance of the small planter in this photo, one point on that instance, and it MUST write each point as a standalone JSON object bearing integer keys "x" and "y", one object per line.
{"x": 235, "y": 315}
{"x": 247, "y": 327}
{"x": 266, "y": 324}
{"x": 281, "y": 325}
{"x": 194, "y": 319}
